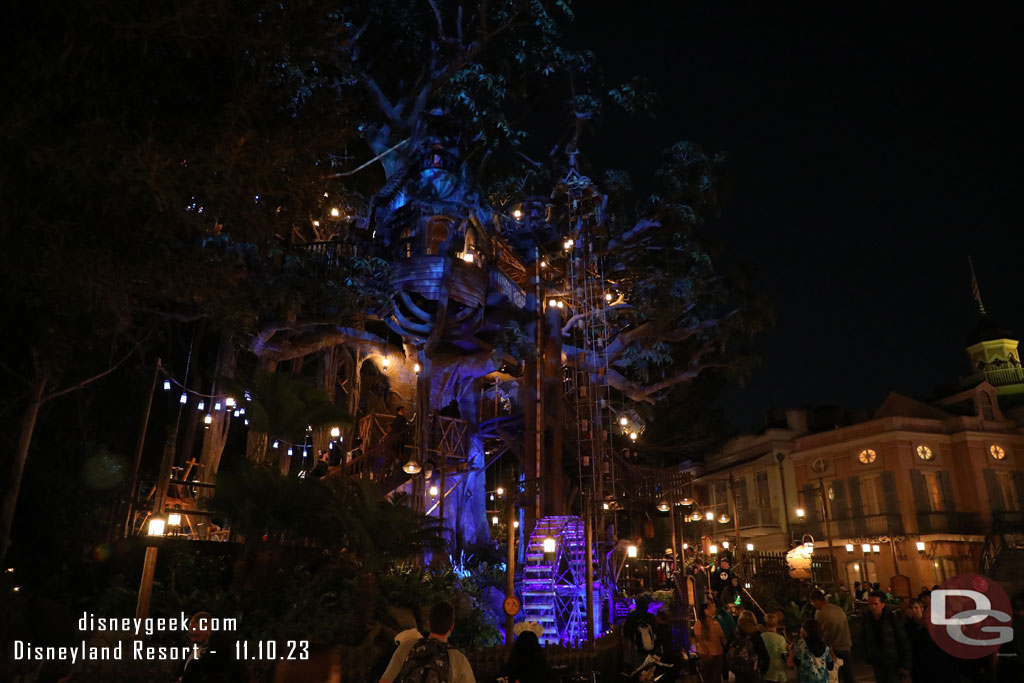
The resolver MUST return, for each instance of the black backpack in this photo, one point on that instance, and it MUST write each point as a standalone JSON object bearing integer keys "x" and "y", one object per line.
{"x": 741, "y": 657}
{"x": 427, "y": 663}
{"x": 644, "y": 637}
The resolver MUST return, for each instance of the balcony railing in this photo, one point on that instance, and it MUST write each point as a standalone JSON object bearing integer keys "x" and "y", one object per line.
{"x": 995, "y": 376}
{"x": 756, "y": 517}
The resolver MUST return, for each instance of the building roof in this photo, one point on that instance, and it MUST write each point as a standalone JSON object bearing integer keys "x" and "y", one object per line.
{"x": 988, "y": 330}
{"x": 900, "y": 405}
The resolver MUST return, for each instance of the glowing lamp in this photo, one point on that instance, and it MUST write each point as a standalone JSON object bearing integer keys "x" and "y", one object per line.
{"x": 875, "y": 549}
{"x": 156, "y": 526}
{"x": 183, "y": 399}
{"x": 750, "y": 547}
{"x": 724, "y": 518}
{"x": 710, "y": 516}
{"x": 561, "y": 304}
{"x": 696, "y": 517}
{"x": 632, "y": 436}
{"x": 216, "y": 406}
{"x": 201, "y": 406}
{"x": 167, "y": 385}
{"x": 800, "y": 513}
{"x": 208, "y": 419}
{"x": 631, "y": 550}
{"x": 316, "y": 224}
{"x": 335, "y": 432}
{"x": 686, "y": 501}
{"x": 411, "y": 467}
{"x": 856, "y": 566}
{"x": 713, "y": 549}
{"x": 500, "y": 491}
{"x": 335, "y": 212}
{"x": 543, "y": 264}
{"x": 549, "y": 544}
{"x": 725, "y": 544}
{"x": 416, "y": 367}
{"x": 289, "y": 451}
{"x": 552, "y": 303}
{"x": 849, "y": 547}
{"x": 608, "y": 296}
{"x": 276, "y": 444}
{"x": 920, "y": 546}
{"x": 866, "y": 548}
{"x": 663, "y": 506}
{"x": 467, "y": 257}
{"x": 517, "y": 214}
{"x": 623, "y": 421}
{"x": 809, "y": 544}
{"x": 685, "y": 546}
{"x": 746, "y": 585}
{"x": 515, "y": 524}
{"x": 229, "y": 402}
{"x": 174, "y": 519}
{"x": 385, "y": 363}
{"x": 433, "y": 490}
{"x": 604, "y": 506}
{"x": 494, "y": 520}
{"x": 568, "y": 245}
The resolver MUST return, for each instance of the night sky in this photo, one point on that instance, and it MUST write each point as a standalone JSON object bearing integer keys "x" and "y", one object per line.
{"x": 871, "y": 153}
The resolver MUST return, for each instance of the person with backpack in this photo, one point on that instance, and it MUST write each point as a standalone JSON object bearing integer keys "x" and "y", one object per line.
{"x": 430, "y": 659}
{"x": 778, "y": 650}
{"x": 884, "y": 641}
{"x": 747, "y": 657}
{"x": 710, "y": 642}
{"x": 638, "y": 629}
{"x": 812, "y": 657}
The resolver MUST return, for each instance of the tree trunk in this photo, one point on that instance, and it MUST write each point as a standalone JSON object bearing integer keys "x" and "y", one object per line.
{"x": 256, "y": 442}
{"x": 17, "y": 470}
{"x": 216, "y": 433}
{"x": 327, "y": 368}
{"x": 469, "y": 513}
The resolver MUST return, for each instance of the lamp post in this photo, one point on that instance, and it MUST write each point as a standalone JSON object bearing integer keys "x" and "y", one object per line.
{"x": 510, "y": 565}
{"x": 828, "y": 527}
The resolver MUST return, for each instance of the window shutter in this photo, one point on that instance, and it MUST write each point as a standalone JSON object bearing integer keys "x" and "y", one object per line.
{"x": 837, "y": 506}
{"x": 995, "y": 496}
{"x": 856, "y": 506}
{"x": 810, "y": 492}
{"x": 947, "y": 497}
{"x": 917, "y": 482}
{"x": 1018, "y": 484}
{"x": 892, "y": 502}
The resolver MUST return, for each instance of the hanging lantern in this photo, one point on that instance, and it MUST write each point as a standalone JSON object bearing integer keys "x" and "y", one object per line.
{"x": 201, "y": 406}
{"x": 167, "y": 385}
{"x": 183, "y": 399}
{"x": 335, "y": 432}
{"x": 549, "y": 545}
{"x": 686, "y": 501}
{"x": 216, "y": 406}
{"x": 631, "y": 550}
{"x": 713, "y": 549}
{"x": 229, "y": 402}
{"x": 724, "y": 518}
{"x": 411, "y": 467}
{"x": 663, "y": 506}
{"x": 208, "y": 419}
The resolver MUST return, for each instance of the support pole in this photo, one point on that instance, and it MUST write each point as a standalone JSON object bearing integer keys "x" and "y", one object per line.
{"x": 138, "y": 449}
{"x": 828, "y": 528}
{"x": 510, "y": 561}
{"x": 589, "y": 535}
{"x": 736, "y": 520}
{"x": 146, "y": 585}
{"x": 672, "y": 524}
{"x": 782, "y": 487}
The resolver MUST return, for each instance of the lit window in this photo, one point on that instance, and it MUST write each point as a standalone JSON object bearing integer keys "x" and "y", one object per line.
{"x": 924, "y": 452}
{"x": 997, "y": 452}
{"x": 867, "y": 456}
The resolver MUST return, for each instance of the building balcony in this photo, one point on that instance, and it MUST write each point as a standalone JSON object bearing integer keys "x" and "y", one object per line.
{"x": 995, "y": 376}
{"x": 759, "y": 517}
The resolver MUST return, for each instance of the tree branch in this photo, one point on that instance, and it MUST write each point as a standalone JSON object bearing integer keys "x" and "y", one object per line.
{"x": 100, "y": 375}
{"x": 386, "y": 107}
{"x": 295, "y": 347}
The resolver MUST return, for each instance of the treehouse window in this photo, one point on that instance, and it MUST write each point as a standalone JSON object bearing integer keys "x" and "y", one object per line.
{"x": 438, "y": 230}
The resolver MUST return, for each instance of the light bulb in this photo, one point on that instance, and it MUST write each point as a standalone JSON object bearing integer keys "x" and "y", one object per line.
{"x": 631, "y": 550}
{"x": 235, "y": 413}
{"x": 632, "y": 436}
{"x": 500, "y": 491}
{"x": 276, "y": 444}
{"x": 710, "y": 516}
{"x": 156, "y": 526}
{"x": 866, "y": 548}
{"x": 515, "y": 524}
{"x": 552, "y": 303}
{"x": 416, "y": 367}
{"x": 201, "y": 406}
{"x": 411, "y": 467}
{"x": 246, "y": 422}
{"x": 725, "y": 544}
{"x": 800, "y": 513}
{"x": 849, "y": 547}
{"x": 184, "y": 398}
{"x": 167, "y": 385}
{"x": 875, "y": 549}
{"x": 686, "y": 501}
{"x": 216, "y": 406}
{"x": 543, "y": 264}
{"x": 208, "y": 419}
{"x": 385, "y": 363}
{"x": 920, "y": 546}
{"x": 750, "y": 547}
{"x": 604, "y": 505}
{"x": 549, "y": 544}
{"x": 335, "y": 213}
{"x": 494, "y": 520}
{"x": 623, "y": 421}
{"x": 289, "y": 451}
{"x": 174, "y": 519}
{"x": 517, "y": 214}
{"x": 713, "y": 549}
{"x": 686, "y": 546}
{"x": 229, "y": 402}
{"x": 856, "y": 566}
{"x": 433, "y": 490}
{"x": 663, "y": 506}
{"x": 467, "y": 257}
{"x": 561, "y": 304}
{"x": 608, "y": 296}
{"x": 335, "y": 432}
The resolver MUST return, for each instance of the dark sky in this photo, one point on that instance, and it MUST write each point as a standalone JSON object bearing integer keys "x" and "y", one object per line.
{"x": 871, "y": 152}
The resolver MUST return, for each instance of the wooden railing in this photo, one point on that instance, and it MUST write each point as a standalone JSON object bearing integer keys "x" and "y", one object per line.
{"x": 503, "y": 283}
{"x": 329, "y": 255}
{"x": 756, "y": 517}
{"x": 772, "y": 566}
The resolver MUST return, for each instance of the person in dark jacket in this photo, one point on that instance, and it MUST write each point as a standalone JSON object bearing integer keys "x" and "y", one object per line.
{"x": 929, "y": 661}
{"x": 884, "y": 641}
{"x": 732, "y": 592}
{"x": 526, "y": 663}
{"x": 747, "y": 630}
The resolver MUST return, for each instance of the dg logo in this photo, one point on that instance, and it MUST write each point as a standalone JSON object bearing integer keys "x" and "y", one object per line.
{"x": 969, "y": 616}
